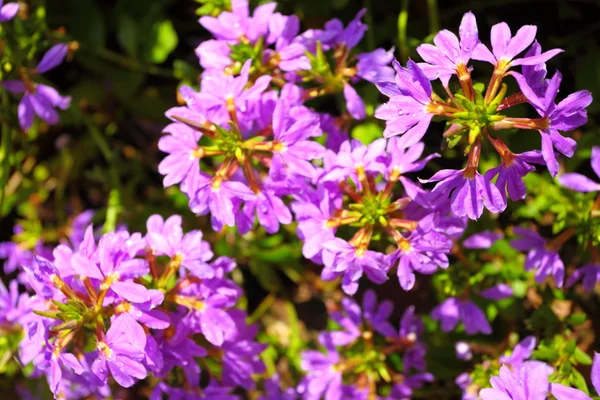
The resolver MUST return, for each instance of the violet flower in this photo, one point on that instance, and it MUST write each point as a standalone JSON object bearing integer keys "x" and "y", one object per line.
{"x": 569, "y": 114}
{"x": 424, "y": 251}
{"x": 505, "y": 48}
{"x": 343, "y": 259}
{"x": 268, "y": 207}
{"x": 40, "y": 99}
{"x": 322, "y": 379}
{"x": 521, "y": 353}
{"x": 463, "y": 351}
{"x": 470, "y": 192}
{"x": 511, "y": 172}
{"x": 535, "y": 74}
{"x": 528, "y": 383}
{"x": 499, "y": 292}
{"x": 121, "y": 352}
{"x": 595, "y": 375}
{"x": 181, "y": 144}
{"x": 589, "y": 274}
{"x": 293, "y": 150}
{"x": 408, "y": 112}
{"x": 312, "y": 220}
{"x": 449, "y": 56}
{"x": 221, "y": 198}
{"x": 482, "y": 240}
{"x": 581, "y": 183}
{"x": 354, "y": 158}
{"x": 8, "y": 11}
{"x": 375, "y": 67}
{"x": 189, "y": 250}
{"x": 452, "y": 311}
{"x": 539, "y": 256}
{"x": 232, "y": 26}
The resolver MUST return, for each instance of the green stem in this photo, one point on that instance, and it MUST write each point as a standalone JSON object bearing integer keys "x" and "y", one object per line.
{"x": 114, "y": 199}
{"x": 131, "y": 64}
{"x": 402, "y": 25}
{"x": 262, "y": 308}
{"x": 434, "y": 18}
{"x": 5, "y": 150}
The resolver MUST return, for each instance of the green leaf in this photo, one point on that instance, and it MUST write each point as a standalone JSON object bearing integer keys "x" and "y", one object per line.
{"x": 578, "y": 381}
{"x": 165, "y": 41}
{"x": 127, "y": 34}
{"x": 576, "y": 319}
{"x": 546, "y": 353}
{"x": 570, "y": 347}
{"x": 582, "y": 357}
{"x": 367, "y": 133}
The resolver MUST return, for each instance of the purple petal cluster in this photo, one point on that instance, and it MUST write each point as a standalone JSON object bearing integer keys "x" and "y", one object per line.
{"x": 146, "y": 331}
{"x": 39, "y": 99}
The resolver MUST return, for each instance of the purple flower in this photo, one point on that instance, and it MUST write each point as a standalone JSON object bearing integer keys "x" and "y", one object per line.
{"x": 377, "y": 315}
{"x": 590, "y": 274}
{"x": 595, "y": 375}
{"x": 181, "y": 144}
{"x": 404, "y": 390}
{"x": 227, "y": 91}
{"x": 349, "y": 319}
{"x": 423, "y": 251}
{"x": 8, "y": 11}
{"x": 411, "y": 329}
{"x": 482, "y": 240}
{"x": 189, "y": 250}
{"x": 407, "y": 112}
{"x": 511, "y": 172}
{"x": 463, "y": 351}
{"x": 273, "y": 391}
{"x": 241, "y": 359}
{"x": 221, "y": 198}
{"x": 292, "y": 148}
{"x": 469, "y": 191}
{"x": 520, "y": 353}
{"x": 449, "y": 56}
{"x": 269, "y": 209}
{"x": 375, "y": 66}
{"x": 535, "y": 74}
{"x": 506, "y": 47}
{"x": 581, "y": 183}
{"x": 403, "y": 160}
{"x": 498, "y": 292}
{"x": 322, "y": 379}
{"x": 237, "y": 24}
{"x": 343, "y": 259}
{"x": 335, "y": 33}
{"x": 539, "y": 256}
{"x": 569, "y": 114}
{"x": 313, "y": 227}
{"x": 14, "y": 307}
{"x": 453, "y": 310}
{"x": 354, "y": 104}
{"x": 211, "y": 298}
{"x": 121, "y": 352}
{"x": 59, "y": 360}
{"x": 40, "y": 99}
{"x": 353, "y": 159}
{"x": 530, "y": 382}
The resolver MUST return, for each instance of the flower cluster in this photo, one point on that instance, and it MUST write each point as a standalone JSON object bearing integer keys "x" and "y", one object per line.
{"x": 359, "y": 188}
{"x": 357, "y": 355}
{"x": 473, "y": 113}
{"x": 130, "y": 305}
{"x": 246, "y": 140}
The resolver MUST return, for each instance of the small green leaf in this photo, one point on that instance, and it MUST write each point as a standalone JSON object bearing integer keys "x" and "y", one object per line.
{"x": 165, "y": 41}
